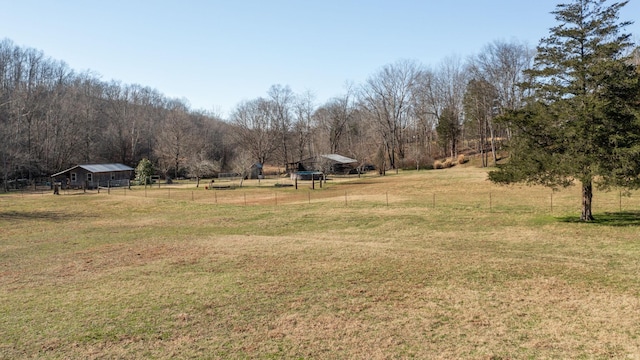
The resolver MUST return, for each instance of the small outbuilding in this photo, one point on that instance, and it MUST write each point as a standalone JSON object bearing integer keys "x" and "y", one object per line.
{"x": 339, "y": 164}
{"x": 255, "y": 172}
{"x": 93, "y": 176}
{"x": 329, "y": 163}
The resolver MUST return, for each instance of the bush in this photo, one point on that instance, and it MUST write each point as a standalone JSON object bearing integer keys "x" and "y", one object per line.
{"x": 461, "y": 159}
{"x": 447, "y": 163}
{"x": 409, "y": 163}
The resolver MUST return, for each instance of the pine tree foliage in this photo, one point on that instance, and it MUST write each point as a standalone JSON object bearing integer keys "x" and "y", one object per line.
{"x": 582, "y": 122}
{"x": 144, "y": 171}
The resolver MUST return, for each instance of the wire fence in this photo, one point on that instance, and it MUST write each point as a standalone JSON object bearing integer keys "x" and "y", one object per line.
{"x": 480, "y": 197}
{"x": 499, "y": 200}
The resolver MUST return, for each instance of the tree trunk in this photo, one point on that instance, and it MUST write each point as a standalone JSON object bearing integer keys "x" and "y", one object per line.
{"x": 483, "y": 139}
{"x": 587, "y": 196}
{"x": 493, "y": 145}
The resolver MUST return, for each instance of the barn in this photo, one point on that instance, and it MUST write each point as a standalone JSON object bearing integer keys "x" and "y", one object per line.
{"x": 331, "y": 163}
{"x": 338, "y": 164}
{"x": 93, "y": 176}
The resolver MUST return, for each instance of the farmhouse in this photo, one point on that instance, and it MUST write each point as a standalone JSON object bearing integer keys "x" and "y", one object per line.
{"x": 94, "y": 175}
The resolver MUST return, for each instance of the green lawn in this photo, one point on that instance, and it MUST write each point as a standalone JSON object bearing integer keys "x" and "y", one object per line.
{"x": 429, "y": 264}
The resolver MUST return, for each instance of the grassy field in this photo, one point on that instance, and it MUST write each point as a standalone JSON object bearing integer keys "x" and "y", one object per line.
{"x": 429, "y": 264}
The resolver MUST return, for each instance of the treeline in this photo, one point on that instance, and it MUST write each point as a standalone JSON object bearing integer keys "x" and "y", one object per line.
{"x": 52, "y": 117}
{"x": 404, "y": 115}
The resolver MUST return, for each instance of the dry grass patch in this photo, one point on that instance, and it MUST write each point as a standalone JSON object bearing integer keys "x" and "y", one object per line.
{"x": 124, "y": 276}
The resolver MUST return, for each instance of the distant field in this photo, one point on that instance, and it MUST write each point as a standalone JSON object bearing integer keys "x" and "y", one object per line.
{"x": 429, "y": 264}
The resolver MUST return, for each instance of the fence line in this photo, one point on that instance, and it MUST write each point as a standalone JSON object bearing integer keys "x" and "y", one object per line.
{"x": 474, "y": 197}
{"x": 500, "y": 200}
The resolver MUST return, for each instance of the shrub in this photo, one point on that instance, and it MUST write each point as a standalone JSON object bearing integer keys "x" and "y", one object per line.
{"x": 461, "y": 159}
{"x": 409, "y": 163}
{"x": 437, "y": 164}
{"x": 447, "y": 163}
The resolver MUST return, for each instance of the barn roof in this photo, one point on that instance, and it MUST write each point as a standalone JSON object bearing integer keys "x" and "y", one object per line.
{"x": 339, "y": 158}
{"x": 102, "y": 168}
{"x": 98, "y": 168}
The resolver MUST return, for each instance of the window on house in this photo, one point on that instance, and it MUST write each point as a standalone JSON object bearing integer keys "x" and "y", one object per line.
{"x": 74, "y": 177}
{"x": 89, "y": 177}
{"x": 113, "y": 176}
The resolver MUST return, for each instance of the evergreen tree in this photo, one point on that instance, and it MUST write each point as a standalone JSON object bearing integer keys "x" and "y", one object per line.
{"x": 144, "y": 170}
{"x": 448, "y": 129}
{"x": 582, "y": 123}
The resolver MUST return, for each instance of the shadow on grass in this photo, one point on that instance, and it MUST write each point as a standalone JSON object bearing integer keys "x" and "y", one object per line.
{"x": 625, "y": 218}
{"x": 38, "y": 215}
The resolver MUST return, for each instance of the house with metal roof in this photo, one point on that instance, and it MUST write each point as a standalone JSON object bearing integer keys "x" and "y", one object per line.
{"x": 92, "y": 176}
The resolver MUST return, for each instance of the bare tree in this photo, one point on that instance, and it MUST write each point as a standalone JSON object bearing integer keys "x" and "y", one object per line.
{"x": 242, "y": 163}
{"x": 302, "y": 127}
{"x": 443, "y": 90}
{"x": 51, "y": 118}
{"x": 171, "y": 139}
{"x": 386, "y": 98}
{"x": 254, "y": 129}
{"x": 480, "y": 109}
{"x": 360, "y": 139}
{"x": 282, "y": 98}
{"x": 120, "y": 130}
{"x": 202, "y": 158}
{"x": 424, "y": 113}
{"x": 502, "y": 65}
{"x": 333, "y": 120}
{"x": 88, "y": 100}
{"x": 200, "y": 165}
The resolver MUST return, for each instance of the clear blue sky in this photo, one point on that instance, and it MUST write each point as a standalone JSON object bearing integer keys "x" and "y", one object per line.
{"x": 217, "y": 53}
